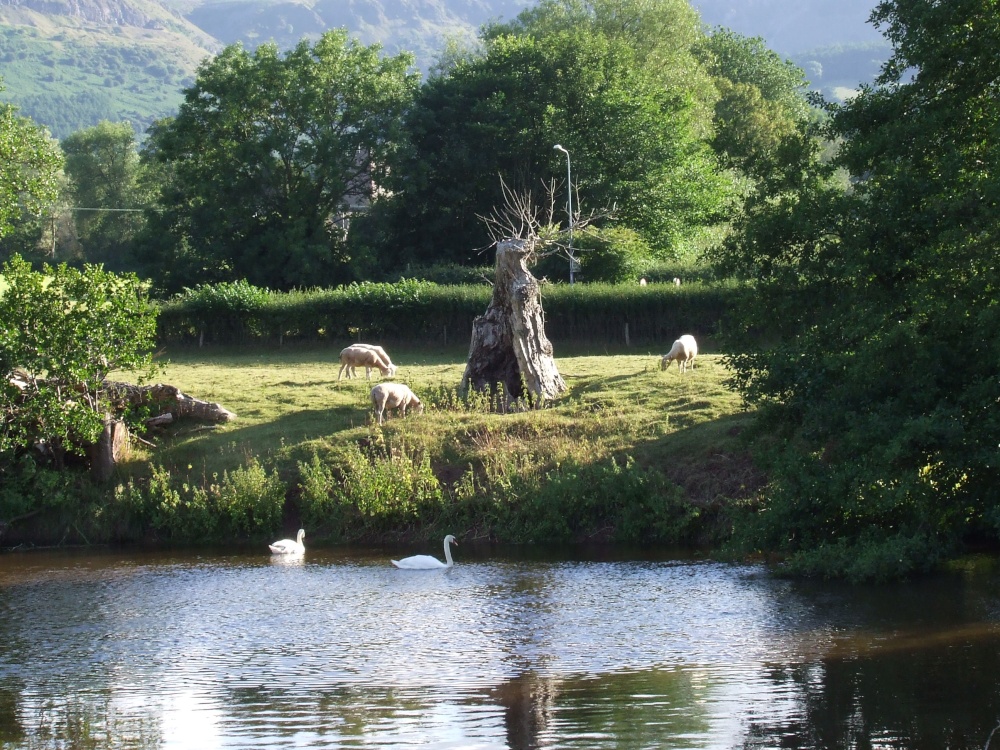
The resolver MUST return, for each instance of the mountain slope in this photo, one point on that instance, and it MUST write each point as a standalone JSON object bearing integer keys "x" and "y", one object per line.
{"x": 71, "y": 64}
{"x": 417, "y": 26}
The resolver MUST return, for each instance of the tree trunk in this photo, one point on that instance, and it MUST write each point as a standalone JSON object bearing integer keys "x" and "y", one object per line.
{"x": 509, "y": 347}
{"x": 104, "y": 454}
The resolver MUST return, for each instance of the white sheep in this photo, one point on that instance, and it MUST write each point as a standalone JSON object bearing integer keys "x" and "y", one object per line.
{"x": 677, "y": 282}
{"x": 360, "y": 356}
{"x": 379, "y": 350}
{"x": 642, "y": 282}
{"x": 394, "y": 396}
{"x": 684, "y": 350}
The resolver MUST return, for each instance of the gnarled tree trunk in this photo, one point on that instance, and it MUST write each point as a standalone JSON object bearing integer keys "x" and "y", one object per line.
{"x": 509, "y": 346}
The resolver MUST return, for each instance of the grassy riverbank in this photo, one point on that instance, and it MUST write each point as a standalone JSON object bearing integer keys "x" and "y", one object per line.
{"x": 627, "y": 445}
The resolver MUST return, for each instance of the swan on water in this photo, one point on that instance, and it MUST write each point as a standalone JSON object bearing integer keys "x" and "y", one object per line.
{"x": 426, "y": 562}
{"x": 288, "y": 547}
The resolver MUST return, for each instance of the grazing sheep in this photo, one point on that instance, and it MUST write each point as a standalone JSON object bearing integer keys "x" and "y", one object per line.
{"x": 394, "y": 396}
{"x": 684, "y": 350}
{"x": 677, "y": 282}
{"x": 380, "y": 351}
{"x": 642, "y": 282}
{"x": 359, "y": 356}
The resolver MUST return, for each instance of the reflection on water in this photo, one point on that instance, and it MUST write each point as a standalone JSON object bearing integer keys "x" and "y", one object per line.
{"x": 342, "y": 650}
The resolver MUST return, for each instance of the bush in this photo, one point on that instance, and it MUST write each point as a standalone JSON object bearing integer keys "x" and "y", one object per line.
{"x": 375, "y": 491}
{"x": 616, "y": 501}
{"x": 421, "y": 311}
{"x": 230, "y": 309}
{"x": 248, "y": 503}
{"x": 614, "y": 255}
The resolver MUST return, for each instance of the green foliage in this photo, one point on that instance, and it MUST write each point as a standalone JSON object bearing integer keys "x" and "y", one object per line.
{"x": 613, "y": 255}
{"x": 389, "y": 489}
{"x": 228, "y": 310}
{"x": 27, "y": 487}
{"x": 635, "y": 144}
{"x": 104, "y": 171}
{"x": 319, "y": 505}
{"x": 664, "y": 36}
{"x": 381, "y": 490}
{"x": 422, "y": 311}
{"x": 762, "y": 101}
{"x": 247, "y": 503}
{"x": 265, "y": 154}
{"x": 62, "y": 331}
{"x": 573, "y": 502}
{"x": 872, "y": 330}
{"x": 29, "y": 165}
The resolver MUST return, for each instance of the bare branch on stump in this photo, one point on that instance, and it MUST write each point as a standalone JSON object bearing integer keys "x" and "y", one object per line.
{"x": 509, "y": 347}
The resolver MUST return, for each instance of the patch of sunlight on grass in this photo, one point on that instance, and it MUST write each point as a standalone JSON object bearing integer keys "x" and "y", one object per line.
{"x": 289, "y": 404}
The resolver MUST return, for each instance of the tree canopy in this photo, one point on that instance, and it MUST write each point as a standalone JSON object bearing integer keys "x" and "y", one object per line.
{"x": 107, "y": 190}
{"x": 633, "y": 143}
{"x": 30, "y": 161}
{"x": 873, "y": 333}
{"x": 62, "y": 331}
{"x": 265, "y": 154}
{"x": 761, "y": 100}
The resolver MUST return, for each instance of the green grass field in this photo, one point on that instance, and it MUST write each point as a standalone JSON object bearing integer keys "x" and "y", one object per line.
{"x": 290, "y": 406}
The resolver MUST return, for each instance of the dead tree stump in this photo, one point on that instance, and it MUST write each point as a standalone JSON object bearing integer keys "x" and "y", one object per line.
{"x": 509, "y": 346}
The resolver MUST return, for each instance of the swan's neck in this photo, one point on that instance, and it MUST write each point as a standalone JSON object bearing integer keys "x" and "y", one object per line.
{"x": 447, "y": 554}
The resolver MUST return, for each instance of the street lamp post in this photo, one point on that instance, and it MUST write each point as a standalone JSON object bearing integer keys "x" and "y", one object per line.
{"x": 569, "y": 208}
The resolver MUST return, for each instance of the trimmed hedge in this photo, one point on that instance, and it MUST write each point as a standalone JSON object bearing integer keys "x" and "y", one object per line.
{"x": 425, "y": 312}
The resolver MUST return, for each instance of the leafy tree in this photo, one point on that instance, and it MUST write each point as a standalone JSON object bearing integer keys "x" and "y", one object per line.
{"x": 633, "y": 144}
{"x": 761, "y": 101}
{"x": 664, "y": 35}
{"x": 62, "y": 331}
{"x": 264, "y": 156}
{"x": 29, "y": 167}
{"x": 103, "y": 166}
{"x": 881, "y": 303}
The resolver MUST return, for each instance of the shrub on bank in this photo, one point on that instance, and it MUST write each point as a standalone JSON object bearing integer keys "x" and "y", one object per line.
{"x": 246, "y": 503}
{"x": 375, "y": 494}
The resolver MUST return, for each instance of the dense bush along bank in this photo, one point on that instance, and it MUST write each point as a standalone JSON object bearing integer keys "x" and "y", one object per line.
{"x": 371, "y": 496}
{"x": 425, "y": 312}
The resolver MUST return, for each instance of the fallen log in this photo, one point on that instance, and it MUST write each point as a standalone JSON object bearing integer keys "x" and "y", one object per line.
{"x": 163, "y": 399}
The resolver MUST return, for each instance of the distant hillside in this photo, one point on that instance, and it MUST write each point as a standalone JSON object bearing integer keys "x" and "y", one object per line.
{"x": 69, "y": 65}
{"x": 417, "y": 26}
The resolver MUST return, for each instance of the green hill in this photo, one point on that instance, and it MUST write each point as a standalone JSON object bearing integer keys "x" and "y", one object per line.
{"x": 70, "y": 66}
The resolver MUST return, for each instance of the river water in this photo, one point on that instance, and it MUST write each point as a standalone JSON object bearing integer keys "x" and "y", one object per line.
{"x": 338, "y": 649}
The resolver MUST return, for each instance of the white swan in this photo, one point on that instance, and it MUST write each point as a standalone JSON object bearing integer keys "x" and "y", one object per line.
{"x": 426, "y": 562}
{"x": 288, "y": 547}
